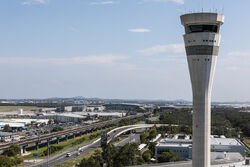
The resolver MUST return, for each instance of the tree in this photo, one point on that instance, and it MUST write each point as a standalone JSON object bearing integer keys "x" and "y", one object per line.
{"x": 50, "y": 122}
{"x": 143, "y": 137}
{"x": 55, "y": 121}
{"x": 168, "y": 157}
{"x": 108, "y": 154}
{"x": 88, "y": 162}
{"x": 152, "y": 133}
{"x": 126, "y": 155}
{"x": 57, "y": 129}
{"x": 7, "y": 128}
{"x": 17, "y": 160}
{"x": 95, "y": 160}
{"x": 5, "y": 161}
{"x": 151, "y": 147}
{"x": 146, "y": 156}
{"x": 248, "y": 153}
{"x": 13, "y": 150}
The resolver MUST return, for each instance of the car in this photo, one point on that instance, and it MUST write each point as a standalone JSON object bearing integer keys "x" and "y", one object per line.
{"x": 68, "y": 155}
{"x": 78, "y": 153}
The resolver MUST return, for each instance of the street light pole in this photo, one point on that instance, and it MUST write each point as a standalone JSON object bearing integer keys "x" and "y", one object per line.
{"x": 48, "y": 155}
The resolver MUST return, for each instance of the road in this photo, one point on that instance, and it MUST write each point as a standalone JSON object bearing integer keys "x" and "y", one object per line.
{"x": 133, "y": 138}
{"x": 59, "y": 158}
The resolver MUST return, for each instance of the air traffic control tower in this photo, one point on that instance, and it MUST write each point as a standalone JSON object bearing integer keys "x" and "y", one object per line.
{"x": 202, "y": 40}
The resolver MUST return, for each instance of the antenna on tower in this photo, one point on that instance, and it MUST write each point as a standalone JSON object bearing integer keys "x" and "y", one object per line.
{"x": 202, "y": 5}
{"x": 223, "y": 5}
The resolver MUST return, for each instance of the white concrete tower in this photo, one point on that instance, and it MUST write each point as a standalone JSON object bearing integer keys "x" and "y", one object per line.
{"x": 202, "y": 40}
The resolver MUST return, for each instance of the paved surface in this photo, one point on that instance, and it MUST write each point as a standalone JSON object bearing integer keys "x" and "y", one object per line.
{"x": 232, "y": 158}
{"x": 133, "y": 138}
{"x": 189, "y": 164}
{"x": 59, "y": 158}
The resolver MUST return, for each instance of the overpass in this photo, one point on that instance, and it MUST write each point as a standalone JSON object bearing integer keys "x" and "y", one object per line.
{"x": 56, "y": 137}
{"x": 140, "y": 126}
{"x": 59, "y": 158}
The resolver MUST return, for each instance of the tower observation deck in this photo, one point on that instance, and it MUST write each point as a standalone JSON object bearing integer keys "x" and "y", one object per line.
{"x": 202, "y": 40}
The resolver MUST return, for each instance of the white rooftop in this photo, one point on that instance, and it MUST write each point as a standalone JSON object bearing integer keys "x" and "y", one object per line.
{"x": 187, "y": 142}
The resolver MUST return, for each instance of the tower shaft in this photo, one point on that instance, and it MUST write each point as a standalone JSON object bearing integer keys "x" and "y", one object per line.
{"x": 202, "y": 41}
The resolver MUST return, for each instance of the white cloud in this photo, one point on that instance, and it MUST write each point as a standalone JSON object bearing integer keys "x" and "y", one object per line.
{"x": 104, "y": 59}
{"x": 103, "y": 3}
{"x": 160, "y": 49}
{"x": 179, "y": 2}
{"x": 34, "y": 2}
{"x": 235, "y": 60}
{"x": 139, "y": 30}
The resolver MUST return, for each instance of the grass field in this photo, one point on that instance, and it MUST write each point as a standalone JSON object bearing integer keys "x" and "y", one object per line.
{"x": 15, "y": 108}
{"x": 72, "y": 162}
{"x": 65, "y": 144}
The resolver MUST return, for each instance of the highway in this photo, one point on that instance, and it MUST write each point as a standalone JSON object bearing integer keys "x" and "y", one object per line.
{"x": 59, "y": 158}
{"x": 70, "y": 131}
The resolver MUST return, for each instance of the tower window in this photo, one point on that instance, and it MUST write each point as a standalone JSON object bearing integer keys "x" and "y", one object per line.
{"x": 201, "y": 28}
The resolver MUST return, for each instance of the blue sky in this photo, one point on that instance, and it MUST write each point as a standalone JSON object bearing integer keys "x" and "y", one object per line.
{"x": 115, "y": 49}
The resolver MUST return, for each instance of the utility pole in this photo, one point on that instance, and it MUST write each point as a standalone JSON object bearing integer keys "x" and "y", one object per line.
{"x": 48, "y": 155}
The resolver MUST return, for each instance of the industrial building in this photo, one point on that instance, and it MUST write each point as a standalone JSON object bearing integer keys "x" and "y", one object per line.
{"x": 183, "y": 147}
{"x": 63, "y": 117}
{"x": 21, "y": 124}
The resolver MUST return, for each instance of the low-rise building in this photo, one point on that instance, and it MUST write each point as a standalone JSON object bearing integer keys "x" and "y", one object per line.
{"x": 8, "y": 137}
{"x": 183, "y": 147}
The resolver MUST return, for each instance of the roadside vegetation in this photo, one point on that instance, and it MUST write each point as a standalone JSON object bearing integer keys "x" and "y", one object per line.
{"x": 78, "y": 159}
{"x": 65, "y": 145}
{"x": 113, "y": 156}
{"x": 10, "y": 156}
{"x": 126, "y": 155}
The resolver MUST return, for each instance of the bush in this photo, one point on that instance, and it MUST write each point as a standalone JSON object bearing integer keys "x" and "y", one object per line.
{"x": 57, "y": 129}
{"x": 147, "y": 156}
{"x": 52, "y": 149}
{"x": 79, "y": 141}
{"x": 6, "y": 161}
{"x": 248, "y": 153}
{"x": 7, "y": 128}
{"x": 95, "y": 135}
{"x": 13, "y": 150}
{"x": 168, "y": 157}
